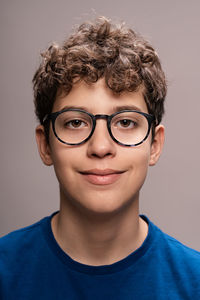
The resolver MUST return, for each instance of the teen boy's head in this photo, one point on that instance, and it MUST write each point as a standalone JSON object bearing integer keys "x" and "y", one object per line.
{"x": 99, "y": 99}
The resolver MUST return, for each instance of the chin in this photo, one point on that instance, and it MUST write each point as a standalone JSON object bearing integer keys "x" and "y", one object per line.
{"x": 104, "y": 205}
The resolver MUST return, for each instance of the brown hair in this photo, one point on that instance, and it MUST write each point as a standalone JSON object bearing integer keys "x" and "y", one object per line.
{"x": 101, "y": 49}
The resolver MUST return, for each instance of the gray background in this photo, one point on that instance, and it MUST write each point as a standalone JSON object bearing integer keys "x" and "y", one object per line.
{"x": 29, "y": 190}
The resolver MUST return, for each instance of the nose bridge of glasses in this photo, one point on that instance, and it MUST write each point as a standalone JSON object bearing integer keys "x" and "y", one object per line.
{"x": 105, "y": 117}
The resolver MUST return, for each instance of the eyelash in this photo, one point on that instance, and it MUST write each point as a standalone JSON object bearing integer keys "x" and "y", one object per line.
{"x": 131, "y": 122}
{"x": 70, "y": 122}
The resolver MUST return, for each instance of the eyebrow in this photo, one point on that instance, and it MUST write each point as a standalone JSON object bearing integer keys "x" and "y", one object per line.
{"x": 114, "y": 108}
{"x": 73, "y": 107}
{"x": 126, "y": 107}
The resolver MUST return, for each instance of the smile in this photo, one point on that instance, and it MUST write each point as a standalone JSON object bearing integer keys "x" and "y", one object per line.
{"x": 102, "y": 177}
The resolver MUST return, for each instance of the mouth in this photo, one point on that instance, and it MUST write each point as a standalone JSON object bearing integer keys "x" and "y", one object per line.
{"x": 101, "y": 177}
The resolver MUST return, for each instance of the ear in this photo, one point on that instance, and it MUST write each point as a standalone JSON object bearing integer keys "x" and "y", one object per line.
{"x": 157, "y": 145}
{"x": 43, "y": 146}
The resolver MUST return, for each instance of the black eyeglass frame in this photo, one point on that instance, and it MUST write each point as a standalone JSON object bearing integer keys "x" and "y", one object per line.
{"x": 52, "y": 116}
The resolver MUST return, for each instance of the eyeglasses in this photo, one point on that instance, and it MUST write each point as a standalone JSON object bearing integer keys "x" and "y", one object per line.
{"x": 75, "y": 127}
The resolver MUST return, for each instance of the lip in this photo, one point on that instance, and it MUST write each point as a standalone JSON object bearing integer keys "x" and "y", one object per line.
{"x": 102, "y": 177}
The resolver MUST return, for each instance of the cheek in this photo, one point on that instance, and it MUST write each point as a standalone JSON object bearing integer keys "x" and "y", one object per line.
{"x": 139, "y": 156}
{"x": 138, "y": 161}
{"x": 63, "y": 158}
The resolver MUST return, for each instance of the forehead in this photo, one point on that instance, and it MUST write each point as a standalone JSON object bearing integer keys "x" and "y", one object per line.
{"x": 98, "y": 98}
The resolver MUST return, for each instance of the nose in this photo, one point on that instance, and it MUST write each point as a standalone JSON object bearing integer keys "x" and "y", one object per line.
{"x": 101, "y": 145}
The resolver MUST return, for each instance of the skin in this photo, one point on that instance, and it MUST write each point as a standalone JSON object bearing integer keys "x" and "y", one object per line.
{"x": 99, "y": 224}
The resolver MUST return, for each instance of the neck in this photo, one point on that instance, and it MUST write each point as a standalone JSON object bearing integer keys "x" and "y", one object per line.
{"x": 99, "y": 239}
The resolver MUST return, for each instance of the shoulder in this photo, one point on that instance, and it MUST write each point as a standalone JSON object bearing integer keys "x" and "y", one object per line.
{"x": 181, "y": 252}
{"x": 181, "y": 258}
{"x": 177, "y": 247}
{"x": 19, "y": 234}
{"x": 20, "y": 243}
{"x": 174, "y": 263}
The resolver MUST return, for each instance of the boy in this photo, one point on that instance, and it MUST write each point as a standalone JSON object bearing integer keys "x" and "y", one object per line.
{"x": 99, "y": 99}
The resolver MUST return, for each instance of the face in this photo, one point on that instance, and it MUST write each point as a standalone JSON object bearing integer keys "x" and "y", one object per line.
{"x": 99, "y": 176}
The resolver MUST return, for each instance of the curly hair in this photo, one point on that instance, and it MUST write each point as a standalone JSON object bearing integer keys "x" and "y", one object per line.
{"x": 101, "y": 49}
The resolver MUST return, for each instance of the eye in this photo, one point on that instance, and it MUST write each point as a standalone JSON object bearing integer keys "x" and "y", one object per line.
{"x": 126, "y": 123}
{"x": 76, "y": 123}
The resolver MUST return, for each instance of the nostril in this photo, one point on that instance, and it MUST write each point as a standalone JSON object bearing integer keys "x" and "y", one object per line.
{"x": 101, "y": 155}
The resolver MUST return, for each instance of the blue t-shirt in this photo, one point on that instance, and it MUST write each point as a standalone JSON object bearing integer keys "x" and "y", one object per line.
{"x": 33, "y": 266}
